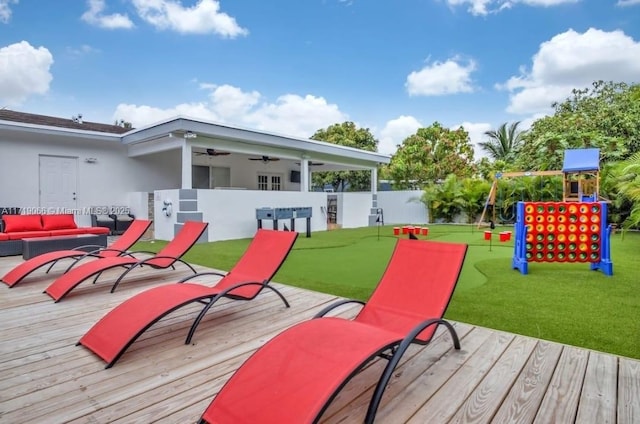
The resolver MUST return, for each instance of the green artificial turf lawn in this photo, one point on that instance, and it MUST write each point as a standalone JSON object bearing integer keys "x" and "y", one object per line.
{"x": 562, "y": 302}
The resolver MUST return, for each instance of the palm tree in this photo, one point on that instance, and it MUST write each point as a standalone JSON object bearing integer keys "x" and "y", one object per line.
{"x": 504, "y": 143}
{"x": 629, "y": 187}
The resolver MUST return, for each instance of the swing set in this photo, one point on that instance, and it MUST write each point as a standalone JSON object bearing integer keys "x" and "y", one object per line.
{"x": 490, "y": 206}
{"x": 580, "y": 181}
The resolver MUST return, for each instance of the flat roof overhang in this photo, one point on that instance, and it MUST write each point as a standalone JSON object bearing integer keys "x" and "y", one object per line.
{"x": 169, "y": 135}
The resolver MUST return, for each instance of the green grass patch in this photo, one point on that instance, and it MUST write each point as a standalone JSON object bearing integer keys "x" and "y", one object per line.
{"x": 563, "y": 302}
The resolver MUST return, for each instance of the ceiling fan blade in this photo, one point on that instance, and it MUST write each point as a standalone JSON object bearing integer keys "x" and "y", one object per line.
{"x": 266, "y": 159}
{"x": 214, "y": 152}
{"x": 312, "y": 163}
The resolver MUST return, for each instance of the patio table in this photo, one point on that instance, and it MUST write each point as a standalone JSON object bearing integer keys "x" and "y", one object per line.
{"x": 38, "y": 245}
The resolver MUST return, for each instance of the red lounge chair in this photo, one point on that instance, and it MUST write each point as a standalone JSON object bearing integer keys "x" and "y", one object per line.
{"x": 116, "y": 331}
{"x": 294, "y": 377}
{"x": 117, "y": 248}
{"x": 167, "y": 257}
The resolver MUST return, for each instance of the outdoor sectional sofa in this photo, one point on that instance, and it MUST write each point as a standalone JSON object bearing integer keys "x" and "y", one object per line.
{"x": 14, "y": 228}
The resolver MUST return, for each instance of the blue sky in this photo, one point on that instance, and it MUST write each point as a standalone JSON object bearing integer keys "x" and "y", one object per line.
{"x": 295, "y": 66}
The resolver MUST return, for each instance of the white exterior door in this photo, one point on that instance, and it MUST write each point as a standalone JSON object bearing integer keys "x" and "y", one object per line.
{"x": 270, "y": 182}
{"x": 58, "y": 182}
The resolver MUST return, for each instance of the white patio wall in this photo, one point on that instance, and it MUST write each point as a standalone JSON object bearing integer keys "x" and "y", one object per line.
{"x": 403, "y": 207}
{"x": 231, "y": 214}
{"x": 354, "y": 209}
{"x": 164, "y": 225}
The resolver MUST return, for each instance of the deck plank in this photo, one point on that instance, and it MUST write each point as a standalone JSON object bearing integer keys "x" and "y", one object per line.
{"x": 481, "y": 405}
{"x": 495, "y": 377}
{"x": 521, "y": 405}
{"x": 444, "y": 404}
{"x": 560, "y": 403}
{"x": 629, "y": 391}
{"x": 598, "y": 398}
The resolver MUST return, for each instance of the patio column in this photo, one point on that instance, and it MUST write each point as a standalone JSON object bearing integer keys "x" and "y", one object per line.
{"x": 304, "y": 175}
{"x": 186, "y": 165}
{"x": 374, "y": 180}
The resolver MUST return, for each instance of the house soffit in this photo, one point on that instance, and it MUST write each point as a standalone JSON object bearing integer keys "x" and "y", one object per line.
{"x": 169, "y": 135}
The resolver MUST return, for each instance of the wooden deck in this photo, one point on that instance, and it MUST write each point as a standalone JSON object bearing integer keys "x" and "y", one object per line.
{"x": 496, "y": 377}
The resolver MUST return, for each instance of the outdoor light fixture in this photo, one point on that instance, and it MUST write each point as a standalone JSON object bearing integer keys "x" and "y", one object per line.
{"x": 190, "y": 134}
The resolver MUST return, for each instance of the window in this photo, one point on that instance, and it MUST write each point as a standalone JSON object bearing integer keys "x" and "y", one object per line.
{"x": 263, "y": 182}
{"x": 210, "y": 177}
{"x": 275, "y": 183}
{"x": 269, "y": 182}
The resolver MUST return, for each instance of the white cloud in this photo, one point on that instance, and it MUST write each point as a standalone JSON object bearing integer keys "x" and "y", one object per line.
{"x": 395, "y": 131}
{"x": 84, "y": 49}
{"x": 476, "y": 7}
{"x": 485, "y": 7}
{"x": 544, "y": 3}
{"x": 5, "y": 10}
{"x": 627, "y": 2}
{"x": 290, "y": 114}
{"x": 95, "y": 16}
{"x": 202, "y": 18}
{"x": 440, "y": 78}
{"x": 142, "y": 115}
{"x": 476, "y": 135}
{"x": 295, "y": 115}
{"x": 24, "y": 70}
{"x": 572, "y": 60}
{"x": 229, "y": 102}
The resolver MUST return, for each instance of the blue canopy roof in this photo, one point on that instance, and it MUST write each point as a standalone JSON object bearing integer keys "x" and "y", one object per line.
{"x": 576, "y": 160}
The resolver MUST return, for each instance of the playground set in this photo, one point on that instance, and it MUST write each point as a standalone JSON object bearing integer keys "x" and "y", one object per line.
{"x": 574, "y": 230}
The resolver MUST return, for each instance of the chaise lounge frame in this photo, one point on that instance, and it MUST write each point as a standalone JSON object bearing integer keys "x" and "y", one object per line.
{"x": 188, "y": 235}
{"x": 110, "y": 337}
{"x": 296, "y": 375}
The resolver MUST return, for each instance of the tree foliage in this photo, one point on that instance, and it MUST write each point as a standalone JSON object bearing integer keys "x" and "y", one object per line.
{"x": 122, "y": 123}
{"x": 606, "y": 116}
{"x": 346, "y": 134}
{"x": 446, "y": 199}
{"x": 626, "y": 175}
{"x": 474, "y": 194}
{"x": 504, "y": 143}
{"x": 430, "y": 155}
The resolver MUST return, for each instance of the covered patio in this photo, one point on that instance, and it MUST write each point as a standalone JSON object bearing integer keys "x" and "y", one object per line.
{"x": 496, "y": 377}
{"x": 231, "y": 153}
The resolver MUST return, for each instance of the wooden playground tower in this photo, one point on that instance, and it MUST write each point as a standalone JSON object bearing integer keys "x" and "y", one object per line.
{"x": 580, "y": 180}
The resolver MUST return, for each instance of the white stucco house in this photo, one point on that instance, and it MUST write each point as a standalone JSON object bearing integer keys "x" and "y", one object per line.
{"x": 184, "y": 169}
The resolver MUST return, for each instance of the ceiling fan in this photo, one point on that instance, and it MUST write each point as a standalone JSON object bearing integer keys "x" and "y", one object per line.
{"x": 312, "y": 163}
{"x": 213, "y": 152}
{"x": 266, "y": 159}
